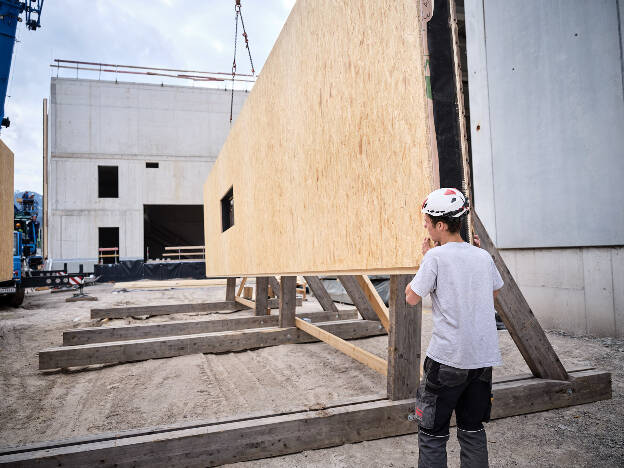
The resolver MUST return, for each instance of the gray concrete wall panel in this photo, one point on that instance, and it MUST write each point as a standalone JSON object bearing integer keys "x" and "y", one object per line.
{"x": 579, "y": 290}
{"x": 552, "y": 89}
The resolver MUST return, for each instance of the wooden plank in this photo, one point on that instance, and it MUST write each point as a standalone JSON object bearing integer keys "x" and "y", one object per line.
{"x": 287, "y": 301}
{"x": 460, "y": 109}
{"x": 368, "y": 359}
{"x": 6, "y": 212}
{"x": 167, "y": 309}
{"x": 180, "y": 255}
{"x": 275, "y": 285}
{"x": 358, "y": 297}
{"x": 320, "y": 293}
{"x": 168, "y": 284}
{"x": 218, "y": 442}
{"x": 314, "y": 113}
{"x": 246, "y": 302}
{"x": 518, "y": 317}
{"x": 221, "y": 342}
{"x": 106, "y": 436}
{"x": 403, "y": 342}
{"x": 230, "y": 289}
{"x": 374, "y": 300}
{"x": 242, "y": 286}
{"x": 533, "y": 395}
{"x": 262, "y": 296}
{"x": 79, "y": 336}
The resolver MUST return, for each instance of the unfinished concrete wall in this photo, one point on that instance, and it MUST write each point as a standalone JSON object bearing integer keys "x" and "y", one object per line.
{"x": 579, "y": 290}
{"x": 6, "y": 212}
{"x": 329, "y": 160}
{"x": 547, "y": 127}
{"x": 99, "y": 123}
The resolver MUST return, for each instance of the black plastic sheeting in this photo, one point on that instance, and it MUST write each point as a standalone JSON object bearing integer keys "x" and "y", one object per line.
{"x": 338, "y": 293}
{"x": 445, "y": 103}
{"x": 133, "y": 270}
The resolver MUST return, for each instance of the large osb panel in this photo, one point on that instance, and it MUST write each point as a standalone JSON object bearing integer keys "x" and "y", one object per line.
{"x": 6, "y": 212}
{"x": 329, "y": 158}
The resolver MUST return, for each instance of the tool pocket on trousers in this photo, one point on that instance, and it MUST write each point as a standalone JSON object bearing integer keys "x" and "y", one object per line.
{"x": 425, "y": 409}
{"x": 452, "y": 376}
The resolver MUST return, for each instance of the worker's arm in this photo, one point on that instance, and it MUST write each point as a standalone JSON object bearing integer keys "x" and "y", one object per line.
{"x": 411, "y": 297}
{"x": 496, "y": 293}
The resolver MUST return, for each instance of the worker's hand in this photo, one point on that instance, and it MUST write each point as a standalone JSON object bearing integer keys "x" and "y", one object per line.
{"x": 476, "y": 241}
{"x": 426, "y": 245}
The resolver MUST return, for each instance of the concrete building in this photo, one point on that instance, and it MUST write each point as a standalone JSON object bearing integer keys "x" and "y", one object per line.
{"x": 547, "y": 135}
{"x": 127, "y": 164}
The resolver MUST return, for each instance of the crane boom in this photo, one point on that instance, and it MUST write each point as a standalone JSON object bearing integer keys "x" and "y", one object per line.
{"x": 10, "y": 11}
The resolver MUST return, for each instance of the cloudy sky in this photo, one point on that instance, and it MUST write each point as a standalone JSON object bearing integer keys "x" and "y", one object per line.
{"x": 184, "y": 34}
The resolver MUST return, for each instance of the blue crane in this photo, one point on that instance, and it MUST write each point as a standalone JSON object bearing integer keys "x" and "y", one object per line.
{"x": 10, "y": 11}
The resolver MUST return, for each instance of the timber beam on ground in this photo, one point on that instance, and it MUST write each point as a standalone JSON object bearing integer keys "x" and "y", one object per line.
{"x": 217, "y": 442}
{"x": 81, "y": 336}
{"x": 168, "y": 309}
{"x": 220, "y": 342}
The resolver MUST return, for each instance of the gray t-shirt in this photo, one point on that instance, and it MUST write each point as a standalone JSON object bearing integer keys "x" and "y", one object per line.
{"x": 461, "y": 279}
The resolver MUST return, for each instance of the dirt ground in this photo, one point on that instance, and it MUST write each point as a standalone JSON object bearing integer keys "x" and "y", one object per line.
{"x": 38, "y": 406}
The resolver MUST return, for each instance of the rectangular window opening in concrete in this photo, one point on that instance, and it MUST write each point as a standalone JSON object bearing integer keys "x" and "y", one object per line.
{"x": 227, "y": 210}
{"x": 171, "y": 226}
{"x": 108, "y": 238}
{"x": 151, "y": 165}
{"x": 108, "y": 182}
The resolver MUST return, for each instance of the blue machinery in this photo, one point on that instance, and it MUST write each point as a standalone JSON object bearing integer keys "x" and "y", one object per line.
{"x": 10, "y": 11}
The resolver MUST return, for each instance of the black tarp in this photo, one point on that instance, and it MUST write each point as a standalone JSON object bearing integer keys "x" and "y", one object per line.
{"x": 133, "y": 270}
{"x": 445, "y": 102}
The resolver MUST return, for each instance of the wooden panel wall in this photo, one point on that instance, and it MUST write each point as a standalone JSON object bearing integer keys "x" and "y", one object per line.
{"x": 6, "y": 212}
{"x": 330, "y": 157}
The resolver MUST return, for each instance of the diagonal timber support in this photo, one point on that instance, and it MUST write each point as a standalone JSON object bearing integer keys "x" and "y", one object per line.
{"x": 361, "y": 355}
{"x": 359, "y": 299}
{"x": 275, "y": 285}
{"x": 320, "y": 293}
{"x": 523, "y": 327}
{"x": 375, "y": 300}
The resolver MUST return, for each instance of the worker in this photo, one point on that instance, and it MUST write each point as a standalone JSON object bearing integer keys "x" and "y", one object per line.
{"x": 462, "y": 281}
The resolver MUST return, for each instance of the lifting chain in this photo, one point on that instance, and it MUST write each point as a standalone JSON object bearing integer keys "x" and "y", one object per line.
{"x": 239, "y": 14}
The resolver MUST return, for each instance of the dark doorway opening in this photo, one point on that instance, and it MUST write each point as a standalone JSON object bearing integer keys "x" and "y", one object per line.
{"x": 108, "y": 182}
{"x": 171, "y": 226}
{"x": 108, "y": 238}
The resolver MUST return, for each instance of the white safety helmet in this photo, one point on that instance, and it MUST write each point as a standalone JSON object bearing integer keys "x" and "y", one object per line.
{"x": 446, "y": 202}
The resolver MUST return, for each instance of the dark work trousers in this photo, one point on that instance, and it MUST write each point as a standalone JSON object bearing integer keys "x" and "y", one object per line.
{"x": 467, "y": 392}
